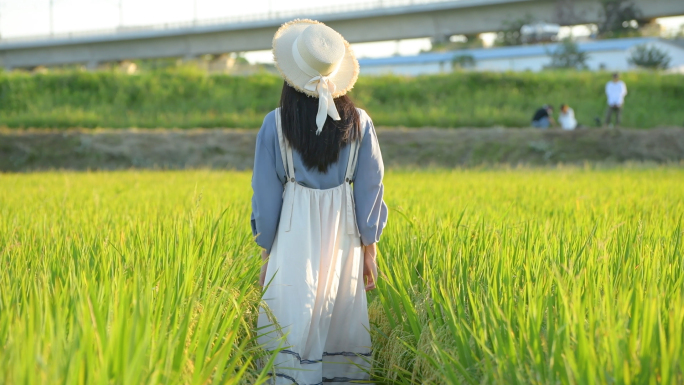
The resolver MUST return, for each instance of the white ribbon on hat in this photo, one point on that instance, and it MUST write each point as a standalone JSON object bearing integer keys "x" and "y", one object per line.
{"x": 322, "y": 84}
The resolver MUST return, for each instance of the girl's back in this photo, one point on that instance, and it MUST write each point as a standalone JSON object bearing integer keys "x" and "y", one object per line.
{"x": 317, "y": 211}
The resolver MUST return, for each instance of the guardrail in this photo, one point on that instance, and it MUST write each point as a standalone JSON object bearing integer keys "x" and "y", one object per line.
{"x": 237, "y": 19}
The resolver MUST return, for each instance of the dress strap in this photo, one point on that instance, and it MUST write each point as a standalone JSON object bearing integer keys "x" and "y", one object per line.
{"x": 285, "y": 149}
{"x": 353, "y": 158}
{"x": 286, "y": 155}
{"x": 352, "y": 227}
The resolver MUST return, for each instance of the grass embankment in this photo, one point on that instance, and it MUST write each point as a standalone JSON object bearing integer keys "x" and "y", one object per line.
{"x": 569, "y": 276}
{"x": 185, "y": 98}
{"x": 111, "y": 149}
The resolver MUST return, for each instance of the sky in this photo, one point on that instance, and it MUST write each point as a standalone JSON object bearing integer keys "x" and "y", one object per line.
{"x": 33, "y": 17}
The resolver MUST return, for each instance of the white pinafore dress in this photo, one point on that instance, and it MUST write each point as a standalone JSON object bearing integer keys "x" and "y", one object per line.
{"x": 315, "y": 290}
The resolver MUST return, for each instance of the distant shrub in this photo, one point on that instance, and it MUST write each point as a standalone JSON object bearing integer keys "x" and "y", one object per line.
{"x": 463, "y": 61}
{"x": 649, "y": 56}
{"x": 568, "y": 55}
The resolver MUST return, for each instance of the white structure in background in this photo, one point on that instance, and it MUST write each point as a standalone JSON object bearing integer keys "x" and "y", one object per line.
{"x": 539, "y": 32}
{"x": 609, "y": 55}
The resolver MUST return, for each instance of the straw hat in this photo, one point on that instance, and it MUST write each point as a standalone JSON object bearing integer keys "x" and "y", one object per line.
{"x": 316, "y": 60}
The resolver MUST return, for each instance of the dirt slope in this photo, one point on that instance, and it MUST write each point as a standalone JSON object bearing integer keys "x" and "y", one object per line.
{"x": 32, "y": 150}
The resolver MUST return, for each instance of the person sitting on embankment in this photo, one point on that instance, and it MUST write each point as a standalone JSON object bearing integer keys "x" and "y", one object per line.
{"x": 566, "y": 118}
{"x": 543, "y": 117}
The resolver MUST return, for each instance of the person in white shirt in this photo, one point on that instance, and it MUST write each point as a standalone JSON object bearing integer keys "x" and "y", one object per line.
{"x": 566, "y": 119}
{"x": 616, "y": 90}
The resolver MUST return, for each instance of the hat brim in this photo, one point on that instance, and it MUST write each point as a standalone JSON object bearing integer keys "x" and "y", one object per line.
{"x": 344, "y": 78}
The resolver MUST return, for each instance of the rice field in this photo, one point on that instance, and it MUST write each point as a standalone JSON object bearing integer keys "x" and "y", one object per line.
{"x": 530, "y": 276}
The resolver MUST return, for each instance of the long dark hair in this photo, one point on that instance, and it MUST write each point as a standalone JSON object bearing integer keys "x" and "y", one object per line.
{"x": 298, "y": 118}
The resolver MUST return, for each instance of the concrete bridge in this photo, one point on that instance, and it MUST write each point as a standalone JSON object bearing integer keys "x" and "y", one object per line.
{"x": 378, "y": 21}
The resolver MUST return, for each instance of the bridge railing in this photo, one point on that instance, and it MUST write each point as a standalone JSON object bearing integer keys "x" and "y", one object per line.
{"x": 271, "y": 15}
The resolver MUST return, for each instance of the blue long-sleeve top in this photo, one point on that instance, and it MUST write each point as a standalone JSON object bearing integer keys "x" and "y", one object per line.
{"x": 269, "y": 178}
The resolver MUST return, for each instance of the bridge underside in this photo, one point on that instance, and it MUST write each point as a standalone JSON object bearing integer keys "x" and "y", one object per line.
{"x": 435, "y": 20}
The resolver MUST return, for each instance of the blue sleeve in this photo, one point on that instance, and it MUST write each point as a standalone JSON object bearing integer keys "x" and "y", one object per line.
{"x": 371, "y": 211}
{"x": 267, "y": 188}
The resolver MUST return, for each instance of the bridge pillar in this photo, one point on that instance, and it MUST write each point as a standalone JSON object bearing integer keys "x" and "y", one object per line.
{"x": 221, "y": 63}
{"x": 189, "y": 57}
{"x": 39, "y": 70}
{"x": 440, "y": 39}
{"x": 92, "y": 65}
{"x": 127, "y": 67}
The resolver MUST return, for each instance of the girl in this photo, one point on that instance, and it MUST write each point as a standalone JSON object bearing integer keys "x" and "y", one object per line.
{"x": 318, "y": 233}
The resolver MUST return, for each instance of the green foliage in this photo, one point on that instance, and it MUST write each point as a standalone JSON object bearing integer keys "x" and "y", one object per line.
{"x": 185, "y": 97}
{"x": 126, "y": 279}
{"x": 620, "y": 19}
{"x": 565, "y": 276}
{"x": 157, "y": 64}
{"x": 650, "y": 57}
{"x": 532, "y": 277}
{"x": 510, "y": 32}
{"x": 568, "y": 56}
{"x": 482, "y": 99}
{"x": 465, "y": 42}
{"x": 463, "y": 61}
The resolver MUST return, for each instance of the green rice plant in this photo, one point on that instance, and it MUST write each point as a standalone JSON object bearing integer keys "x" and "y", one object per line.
{"x": 530, "y": 276}
{"x": 545, "y": 277}
{"x": 124, "y": 278}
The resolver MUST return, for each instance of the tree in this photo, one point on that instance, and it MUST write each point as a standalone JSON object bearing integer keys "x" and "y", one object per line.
{"x": 650, "y": 57}
{"x": 566, "y": 13}
{"x": 463, "y": 61}
{"x": 458, "y": 42}
{"x": 620, "y": 18}
{"x": 510, "y": 34}
{"x": 568, "y": 55}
